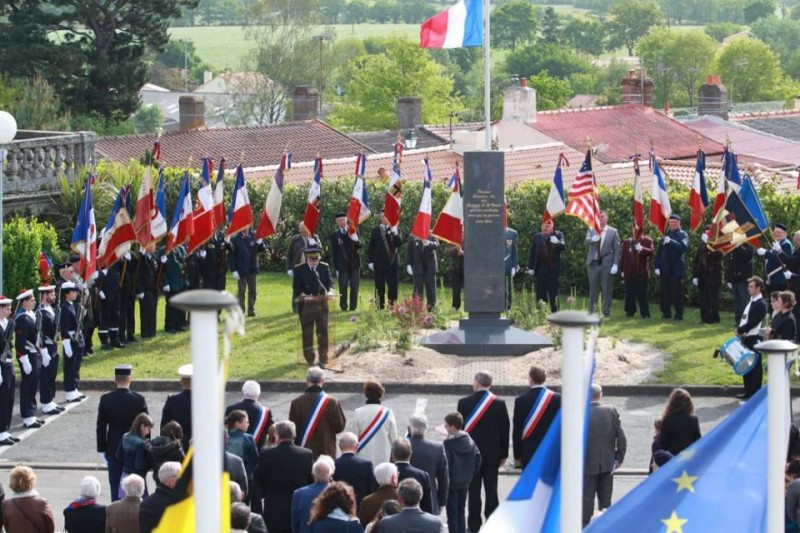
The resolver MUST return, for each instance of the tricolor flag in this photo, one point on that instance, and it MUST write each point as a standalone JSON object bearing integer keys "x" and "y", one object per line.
{"x": 45, "y": 266}
{"x": 698, "y": 197}
{"x": 449, "y": 226}
{"x": 394, "y": 191}
{"x": 145, "y": 204}
{"x": 158, "y": 224}
{"x": 182, "y": 225}
{"x": 272, "y": 207}
{"x": 240, "y": 214}
{"x": 422, "y": 223}
{"x": 203, "y": 215}
{"x": 84, "y": 238}
{"x": 358, "y": 211}
{"x": 728, "y": 177}
{"x": 583, "y": 200}
{"x": 219, "y": 197}
{"x": 660, "y": 209}
{"x": 156, "y": 151}
{"x": 555, "y": 200}
{"x": 311, "y": 216}
{"x": 459, "y": 26}
{"x": 117, "y": 236}
{"x": 637, "y": 209}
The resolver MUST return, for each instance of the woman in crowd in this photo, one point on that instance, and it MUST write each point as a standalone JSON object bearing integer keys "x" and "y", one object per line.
{"x": 85, "y": 515}
{"x": 165, "y": 447}
{"x": 133, "y": 450}
{"x": 375, "y": 444}
{"x": 334, "y": 510}
{"x": 784, "y": 325}
{"x": 679, "y": 425}
{"x": 389, "y": 508}
{"x": 240, "y": 443}
{"x": 24, "y": 511}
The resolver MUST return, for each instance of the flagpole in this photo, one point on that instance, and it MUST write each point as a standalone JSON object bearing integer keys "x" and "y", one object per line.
{"x": 573, "y": 411}
{"x": 487, "y": 88}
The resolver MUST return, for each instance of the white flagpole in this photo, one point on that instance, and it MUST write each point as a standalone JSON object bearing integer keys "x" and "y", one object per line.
{"x": 487, "y": 89}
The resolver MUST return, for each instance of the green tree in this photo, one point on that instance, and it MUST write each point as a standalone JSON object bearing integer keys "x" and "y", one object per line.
{"x": 587, "y": 36}
{"x": 551, "y": 93}
{"x": 148, "y": 119}
{"x": 167, "y": 67}
{"x": 356, "y": 11}
{"x": 23, "y": 240}
{"x": 513, "y": 23}
{"x": 758, "y": 9}
{"x": 550, "y": 26}
{"x": 719, "y": 30}
{"x": 558, "y": 61}
{"x": 782, "y": 35}
{"x": 630, "y": 20}
{"x": 377, "y": 81}
{"x": 750, "y": 70}
{"x": 38, "y": 107}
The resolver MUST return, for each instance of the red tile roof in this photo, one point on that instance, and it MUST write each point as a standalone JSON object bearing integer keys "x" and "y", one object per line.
{"x": 619, "y": 130}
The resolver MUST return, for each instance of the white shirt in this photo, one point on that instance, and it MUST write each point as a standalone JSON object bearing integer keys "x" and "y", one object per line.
{"x": 745, "y": 314}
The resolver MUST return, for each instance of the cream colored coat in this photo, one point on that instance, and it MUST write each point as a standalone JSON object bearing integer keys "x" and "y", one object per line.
{"x": 379, "y": 448}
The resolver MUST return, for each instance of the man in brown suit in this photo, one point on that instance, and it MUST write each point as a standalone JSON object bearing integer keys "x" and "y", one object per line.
{"x": 636, "y": 254}
{"x": 386, "y": 475}
{"x": 317, "y": 415}
{"x": 122, "y": 516}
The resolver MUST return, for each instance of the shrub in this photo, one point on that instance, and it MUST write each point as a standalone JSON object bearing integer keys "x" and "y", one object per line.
{"x": 23, "y": 241}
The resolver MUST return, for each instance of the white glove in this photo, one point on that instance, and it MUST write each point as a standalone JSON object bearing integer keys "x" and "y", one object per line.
{"x": 761, "y": 251}
{"x": 394, "y": 230}
{"x": 291, "y": 273}
{"x": 236, "y": 276}
{"x": 553, "y": 239}
{"x": 127, "y": 256}
{"x": 777, "y": 247}
{"x": 658, "y": 272}
{"x": 667, "y": 240}
{"x": 26, "y": 364}
{"x": 260, "y": 241}
{"x": 531, "y": 272}
{"x": 166, "y": 288}
{"x": 354, "y": 237}
{"x": 102, "y": 295}
{"x": 695, "y": 282}
{"x": 94, "y": 276}
{"x": 140, "y": 296}
{"x": 787, "y": 274}
{"x": 595, "y": 238}
{"x": 371, "y": 266}
{"x": 104, "y": 271}
{"x": 45, "y": 357}
{"x": 202, "y": 254}
{"x": 704, "y": 237}
{"x": 67, "y": 344}
{"x": 163, "y": 259}
{"x": 730, "y": 285}
{"x": 639, "y": 247}
{"x": 409, "y": 270}
{"x": 614, "y": 269}
{"x": 513, "y": 272}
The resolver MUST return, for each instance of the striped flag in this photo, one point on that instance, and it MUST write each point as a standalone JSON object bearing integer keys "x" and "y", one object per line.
{"x": 422, "y": 223}
{"x": 84, "y": 238}
{"x": 117, "y": 236}
{"x": 555, "y": 200}
{"x": 394, "y": 191}
{"x": 219, "y": 197}
{"x": 158, "y": 223}
{"x": 240, "y": 214}
{"x": 698, "y": 196}
{"x": 459, "y": 26}
{"x": 145, "y": 204}
{"x": 182, "y": 225}
{"x": 157, "y": 150}
{"x": 583, "y": 201}
{"x": 660, "y": 208}
{"x": 268, "y": 223}
{"x": 358, "y": 211}
{"x": 637, "y": 209}
{"x": 203, "y": 215}
{"x": 311, "y": 216}
{"x": 449, "y": 226}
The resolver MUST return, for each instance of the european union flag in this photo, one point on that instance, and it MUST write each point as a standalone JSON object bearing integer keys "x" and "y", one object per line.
{"x": 717, "y": 484}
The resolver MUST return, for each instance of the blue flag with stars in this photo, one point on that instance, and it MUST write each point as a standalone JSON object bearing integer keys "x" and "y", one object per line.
{"x": 719, "y": 483}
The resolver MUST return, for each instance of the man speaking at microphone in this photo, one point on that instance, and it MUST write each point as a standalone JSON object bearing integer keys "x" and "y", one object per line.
{"x": 311, "y": 284}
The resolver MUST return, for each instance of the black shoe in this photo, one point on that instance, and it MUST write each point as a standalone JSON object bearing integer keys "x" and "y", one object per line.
{"x": 78, "y": 399}
{"x": 39, "y": 420}
{"x": 678, "y": 318}
{"x": 15, "y": 439}
{"x": 132, "y": 339}
{"x": 88, "y": 351}
{"x": 52, "y": 412}
{"x": 666, "y": 317}
{"x": 171, "y": 331}
{"x": 251, "y": 313}
{"x": 743, "y": 396}
{"x": 35, "y": 425}
{"x": 7, "y": 442}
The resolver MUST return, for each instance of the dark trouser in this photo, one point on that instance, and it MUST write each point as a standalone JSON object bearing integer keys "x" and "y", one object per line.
{"x": 752, "y": 380}
{"x": 109, "y": 318}
{"x": 740, "y": 299}
{"x": 636, "y": 292}
{"x": 148, "y": 308}
{"x": 47, "y": 376}
{"x": 426, "y": 280}
{"x": 547, "y": 287}
{"x": 509, "y": 283}
{"x": 7, "y": 391}
{"x": 114, "y": 474}
{"x": 601, "y": 484}
{"x": 709, "y": 302}
{"x": 127, "y": 314}
{"x": 486, "y": 476}
{"x": 456, "y": 503}
{"x": 72, "y": 368}
{"x": 386, "y": 277}
{"x": 671, "y": 295}
{"x": 247, "y": 283}
{"x": 348, "y": 278}
{"x": 88, "y": 332}
{"x": 29, "y": 386}
{"x": 458, "y": 285}
{"x": 174, "y": 318}
{"x": 314, "y": 314}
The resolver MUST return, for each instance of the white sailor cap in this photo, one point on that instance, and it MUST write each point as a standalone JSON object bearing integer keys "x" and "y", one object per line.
{"x": 47, "y": 288}
{"x": 68, "y": 286}
{"x": 186, "y": 371}
{"x": 4, "y": 300}
{"x": 25, "y": 294}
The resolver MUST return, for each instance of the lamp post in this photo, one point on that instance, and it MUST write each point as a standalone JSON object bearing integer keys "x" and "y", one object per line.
{"x": 410, "y": 140}
{"x": 8, "y": 130}
{"x": 321, "y": 39}
{"x": 185, "y": 64}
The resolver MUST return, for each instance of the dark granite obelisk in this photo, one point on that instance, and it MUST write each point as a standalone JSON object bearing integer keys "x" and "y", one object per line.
{"x": 484, "y": 332}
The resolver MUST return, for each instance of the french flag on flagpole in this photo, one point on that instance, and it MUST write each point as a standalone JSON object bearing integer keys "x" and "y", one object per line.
{"x": 117, "y": 236}
{"x": 458, "y": 27}
{"x": 698, "y": 196}
{"x": 449, "y": 226}
{"x": 556, "y": 201}
{"x": 268, "y": 223}
{"x": 728, "y": 177}
{"x": 158, "y": 223}
{"x": 219, "y": 194}
{"x": 660, "y": 209}
{"x": 311, "y": 216}
{"x": 84, "y": 238}
{"x": 394, "y": 191}
{"x": 422, "y": 223}
{"x": 637, "y": 209}
{"x": 182, "y": 225}
{"x": 240, "y": 214}
{"x": 203, "y": 215}
{"x": 358, "y": 210}
{"x": 145, "y": 204}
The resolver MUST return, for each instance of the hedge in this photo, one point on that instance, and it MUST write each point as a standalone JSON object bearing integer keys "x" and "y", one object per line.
{"x": 23, "y": 241}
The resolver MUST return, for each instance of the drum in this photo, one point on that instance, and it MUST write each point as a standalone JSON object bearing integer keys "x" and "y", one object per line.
{"x": 736, "y": 354}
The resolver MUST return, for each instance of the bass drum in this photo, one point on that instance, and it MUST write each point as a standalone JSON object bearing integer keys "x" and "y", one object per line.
{"x": 736, "y": 354}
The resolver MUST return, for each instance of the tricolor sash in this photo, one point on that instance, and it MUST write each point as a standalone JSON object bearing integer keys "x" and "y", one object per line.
{"x": 478, "y": 411}
{"x": 537, "y": 412}
{"x": 316, "y": 415}
{"x": 377, "y": 423}
{"x": 261, "y": 423}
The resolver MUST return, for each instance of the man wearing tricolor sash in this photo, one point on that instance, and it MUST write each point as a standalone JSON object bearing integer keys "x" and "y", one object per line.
{"x": 260, "y": 416}
{"x": 317, "y": 415}
{"x": 534, "y": 411}
{"x": 487, "y": 422}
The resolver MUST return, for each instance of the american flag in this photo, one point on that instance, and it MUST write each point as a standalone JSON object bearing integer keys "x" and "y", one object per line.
{"x": 583, "y": 201}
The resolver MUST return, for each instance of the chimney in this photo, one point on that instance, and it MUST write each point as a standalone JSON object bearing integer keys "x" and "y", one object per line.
{"x": 519, "y": 102}
{"x": 207, "y": 76}
{"x": 713, "y": 98}
{"x": 192, "y": 112}
{"x": 305, "y": 102}
{"x": 637, "y": 89}
{"x": 409, "y": 113}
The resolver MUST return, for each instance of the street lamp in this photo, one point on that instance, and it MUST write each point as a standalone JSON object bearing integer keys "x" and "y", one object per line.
{"x": 410, "y": 140}
{"x": 185, "y": 64}
{"x": 8, "y": 130}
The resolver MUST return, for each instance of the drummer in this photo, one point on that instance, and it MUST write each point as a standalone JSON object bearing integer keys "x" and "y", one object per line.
{"x": 749, "y": 332}
{"x": 311, "y": 285}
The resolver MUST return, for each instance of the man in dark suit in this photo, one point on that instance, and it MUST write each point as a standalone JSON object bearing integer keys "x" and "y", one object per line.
{"x": 544, "y": 263}
{"x": 749, "y": 333}
{"x": 147, "y": 292}
{"x": 511, "y": 262}
{"x": 605, "y": 452}
{"x": 114, "y": 418}
{"x": 382, "y": 254}
{"x": 346, "y": 261}
{"x": 422, "y": 265}
{"x": 173, "y": 282}
{"x": 411, "y": 517}
{"x": 296, "y": 254}
{"x": 354, "y": 470}
{"x": 303, "y": 498}
{"x": 670, "y": 265}
{"x": 280, "y": 471}
{"x": 529, "y": 430}
{"x": 243, "y": 263}
{"x": 739, "y": 270}
{"x": 636, "y": 254}
{"x": 401, "y": 456}
{"x": 260, "y": 416}
{"x": 7, "y": 378}
{"x": 310, "y": 283}
{"x": 429, "y": 456}
{"x": 486, "y": 421}
{"x": 152, "y": 508}
{"x": 178, "y": 407}
{"x": 707, "y": 277}
{"x": 773, "y": 266}
{"x": 213, "y": 262}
